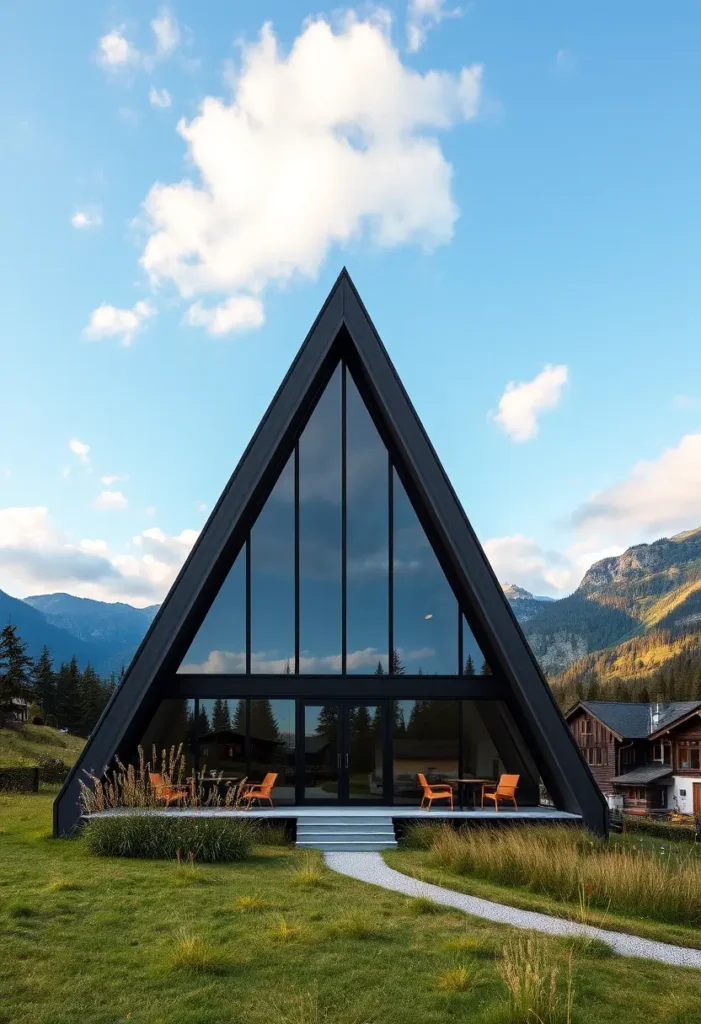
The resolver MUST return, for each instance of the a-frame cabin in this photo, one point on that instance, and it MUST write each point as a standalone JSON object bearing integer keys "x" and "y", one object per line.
{"x": 337, "y": 621}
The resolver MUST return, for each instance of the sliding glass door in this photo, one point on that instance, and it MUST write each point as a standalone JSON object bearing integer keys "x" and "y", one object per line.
{"x": 343, "y": 752}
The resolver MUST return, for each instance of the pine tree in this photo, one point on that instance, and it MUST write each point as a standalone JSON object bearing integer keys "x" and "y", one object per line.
{"x": 15, "y": 666}
{"x": 485, "y": 670}
{"x": 92, "y": 696}
{"x": 469, "y": 666}
{"x": 68, "y": 686}
{"x": 221, "y": 719}
{"x": 203, "y": 721}
{"x": 263, "y": 722}
{"x": 44, "y": 686}
{"x": 379, "y": 671}
{"x": 239, "y": 720}
{"x": 396, "y": 668}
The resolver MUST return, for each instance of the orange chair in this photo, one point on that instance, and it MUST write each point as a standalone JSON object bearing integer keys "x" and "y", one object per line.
{"x": 432, "y": 793}
{"x": 259, "y": 791}
{"x": 504, "y": 789}
{"x": 167, "y": 793}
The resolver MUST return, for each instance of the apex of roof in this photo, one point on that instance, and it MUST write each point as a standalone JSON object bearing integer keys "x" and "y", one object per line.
{"x": 638, "y": 721}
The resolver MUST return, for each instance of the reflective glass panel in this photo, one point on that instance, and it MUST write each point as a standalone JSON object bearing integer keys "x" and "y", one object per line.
{"x": 221, "y": 733}
{"x": 365, "y": 752}
{"x": 168, "y": 741}
{"x": 367, "y": 529}
{"x": 322, "y": 762}
{"x": 320, "y": 535}
{"x": 272, "y": 746}
{"x": 474, "y": 662}
{"x": 426, "y": 742}
{"x": 220, "y": 643}
{"x": 425, "y": 610}
{"x": 273, "y": 580}
{"x": 492, "y": 747}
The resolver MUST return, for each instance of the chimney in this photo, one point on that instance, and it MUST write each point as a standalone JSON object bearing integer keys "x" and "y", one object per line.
{"x": 655, "y": 715}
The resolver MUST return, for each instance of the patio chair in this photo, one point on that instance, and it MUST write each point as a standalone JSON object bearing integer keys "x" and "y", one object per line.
{"x": 259, "y": 791}
{"x": 504, "y": 789}
{"x": 432, "y": 793}
{"x": 166, "y": 792}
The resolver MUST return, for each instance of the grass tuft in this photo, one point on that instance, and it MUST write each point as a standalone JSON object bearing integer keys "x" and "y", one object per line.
{"x": 355, "y": 925}
{"x": 193, "y": 953}
{"x": 469, "y": 944}
{"x": 310, "y": 872}
{"x": 283, "y": 931}
{"x": 419, "y": 905}
{"x": 456, "y": 979}
{"x": 250, "y": 904}
{"x": 534, "y": 995}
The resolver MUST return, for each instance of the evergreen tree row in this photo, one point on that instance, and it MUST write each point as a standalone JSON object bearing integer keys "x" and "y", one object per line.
{"x": 67, "y": 697}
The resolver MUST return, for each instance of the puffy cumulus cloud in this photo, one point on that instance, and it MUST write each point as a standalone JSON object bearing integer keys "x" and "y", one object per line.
{"x": 116, "y": 52}
{"x": 159, "y": 97}
{"x": 88, "y": 218}
{"x": 335, "y": 140}
{"x": 522, "y": 404}
{"x": 37, "y": 557}
{"x": 422, "y": 16}
{"x": 237, "y": 313}
{"x": 223, "y": 662}
{"x": 81, "y": 449}
{"x": 110, "y": 500}
{"x": 110, "y": 322}
{"x": 659, "y": 496}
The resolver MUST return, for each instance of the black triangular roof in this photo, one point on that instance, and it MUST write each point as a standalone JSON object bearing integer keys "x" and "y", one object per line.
{"x": 343, "y": 328}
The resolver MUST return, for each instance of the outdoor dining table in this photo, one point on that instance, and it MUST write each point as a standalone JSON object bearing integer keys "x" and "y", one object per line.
{"x": 469, "y": 782}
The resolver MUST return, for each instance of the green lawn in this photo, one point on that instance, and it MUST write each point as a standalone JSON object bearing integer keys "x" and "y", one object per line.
{"x": 420, "y": 864}
{"x": 26, "y": 745}
{"x": 105, "y": 941}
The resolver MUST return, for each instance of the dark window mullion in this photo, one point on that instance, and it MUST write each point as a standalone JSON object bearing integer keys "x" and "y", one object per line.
{"x": 461, "y": 657}
{"x": 296, "y": 458}
{"x": 344, "y": 518}
{"x": 248, "y": 605}
{"x": 247, "y": 738}
{"x": 390, "y": 561}
{"x": 195, "y": 738}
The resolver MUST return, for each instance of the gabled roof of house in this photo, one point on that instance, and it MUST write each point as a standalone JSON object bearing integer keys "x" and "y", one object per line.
{"x": 634, "y": 721}
{"x": 646, "y": 775}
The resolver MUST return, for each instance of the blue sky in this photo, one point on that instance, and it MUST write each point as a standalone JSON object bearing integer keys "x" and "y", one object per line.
{"x": 513, "y": 187}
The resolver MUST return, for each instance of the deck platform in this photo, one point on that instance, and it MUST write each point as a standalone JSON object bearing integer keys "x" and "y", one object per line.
{"x": 396, "y": 812}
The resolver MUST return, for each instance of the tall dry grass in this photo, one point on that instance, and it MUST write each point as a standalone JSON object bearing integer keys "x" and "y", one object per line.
{"x": 130, "y": 785}
{"x": 534, "y": 985}
{"x": 572, "y": 866}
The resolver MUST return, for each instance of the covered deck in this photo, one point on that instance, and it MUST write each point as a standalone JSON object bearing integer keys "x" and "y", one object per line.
{"x": 542, "y": 813}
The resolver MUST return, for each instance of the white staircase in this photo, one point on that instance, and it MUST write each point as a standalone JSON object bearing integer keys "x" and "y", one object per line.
{"x": 339, "y": 833}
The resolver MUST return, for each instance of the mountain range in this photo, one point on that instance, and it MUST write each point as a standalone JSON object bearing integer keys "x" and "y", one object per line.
{"x": 630, "y": 615}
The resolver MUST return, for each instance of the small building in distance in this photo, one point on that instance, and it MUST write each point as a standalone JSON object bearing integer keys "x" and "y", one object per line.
{"x": 646, "y": 756}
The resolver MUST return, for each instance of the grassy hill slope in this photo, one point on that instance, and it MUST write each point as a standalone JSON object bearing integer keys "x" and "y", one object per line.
{"x": 25, "y": 746}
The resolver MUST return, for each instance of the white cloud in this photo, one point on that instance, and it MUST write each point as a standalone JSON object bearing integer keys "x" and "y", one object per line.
{"x": 116, "y": 52}
{"x": 88, "y": 218}
{"x": 237, "y": 313}
{"x": 167, "y": 32}
{"x": 333, "y": 142}
{"x": 109, "y": 322}
{"x": 80, "y": 449}
{"x": 659, "y": 496}
{"x": 110, "y": 478}
{"x": 38, "y": 558}
{"x": 159, "y": 97}
{"x": 110, "y": 500}
{"x": 422, "y": 16}
{"x": 685, "y": 402}
{"x": 521, "y": 404}
{"x": 565, "y": 63}
{"x": 201, "y": 506}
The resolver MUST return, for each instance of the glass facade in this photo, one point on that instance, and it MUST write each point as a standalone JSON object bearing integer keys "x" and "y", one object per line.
{"x": 322, "y": 544}
{"x": 320, "y": 540}
{"x": 273, "y": 580}
{"x": 168, "y": 742}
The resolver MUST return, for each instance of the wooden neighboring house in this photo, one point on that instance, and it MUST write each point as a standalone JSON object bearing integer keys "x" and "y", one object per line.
{"x": 14, "y": 711}
{"x": 644, "y": 756}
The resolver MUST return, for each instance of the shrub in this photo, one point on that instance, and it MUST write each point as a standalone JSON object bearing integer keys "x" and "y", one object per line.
{"x": 19, "y": 780}
{"x": 52, "y": 769}
{"x": 164, "y": 836}
{"x": 670, "y": 830}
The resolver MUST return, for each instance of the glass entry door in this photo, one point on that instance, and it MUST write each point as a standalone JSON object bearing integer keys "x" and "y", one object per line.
{"x": 342, "y": 745}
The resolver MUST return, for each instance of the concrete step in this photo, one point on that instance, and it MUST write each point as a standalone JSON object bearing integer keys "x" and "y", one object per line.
{"x": 349, "y": 822}
{"x": 347, "y": 846}
{"x": 354, "y": 833}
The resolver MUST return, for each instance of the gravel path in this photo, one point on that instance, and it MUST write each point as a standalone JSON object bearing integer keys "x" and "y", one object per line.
{"x": 370, "y": 867}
